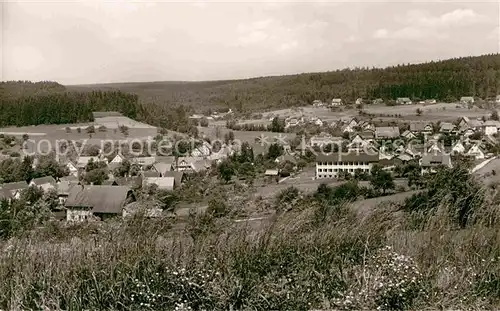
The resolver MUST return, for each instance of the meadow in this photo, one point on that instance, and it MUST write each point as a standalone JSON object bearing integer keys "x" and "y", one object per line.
{"x": 308, "y": 256}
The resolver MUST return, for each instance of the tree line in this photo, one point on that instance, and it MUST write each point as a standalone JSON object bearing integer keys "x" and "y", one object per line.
{"x": 49, "y": 103}
{"x": 446, "y": 80}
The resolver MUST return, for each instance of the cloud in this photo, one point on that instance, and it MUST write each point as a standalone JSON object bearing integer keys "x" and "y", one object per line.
{"x": 460, "y": 17}
{"x": 253, "y": 37}
{"x": 418, "y": 24}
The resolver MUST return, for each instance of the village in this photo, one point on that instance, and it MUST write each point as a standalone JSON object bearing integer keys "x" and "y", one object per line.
{"x": 100, "y": 181}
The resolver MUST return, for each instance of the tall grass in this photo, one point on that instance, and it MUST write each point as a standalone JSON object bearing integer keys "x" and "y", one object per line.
{"x": 291, "y": 262}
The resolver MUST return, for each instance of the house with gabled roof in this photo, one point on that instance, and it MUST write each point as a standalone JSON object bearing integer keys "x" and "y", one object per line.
{"x": 161, "y": 168}
{"x": 13, "y": 190}
{"x": 45, "y": 183}
{"x": 491, "y": 127}
{"x": 477, "y": 152}
{"x": 458, "y": 148}
{"x": 467, "y": 100}
{"x": 404, "y": 101}
{"x": 163, "y": 183}
{"x": 421, "y": 127}
{"x": 118, "y": 159}
{"x": 408, "y": 135}
{"x": 386, "y": 132}
{"x": 446, "y": 127}
{"x": 143, "y": 162}
{"x": 337, "y": 102}
{"x": 100, "y": 201}
{"x": 429, "y": 163}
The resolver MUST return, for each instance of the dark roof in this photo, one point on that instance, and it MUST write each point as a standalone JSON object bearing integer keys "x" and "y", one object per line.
{"x": 163, "y": 167}
{"x": 20, "y": 185}
{"x": 347, "y": 157}
{"x": 150, "y": 174}
{"x": 387, "y": 132}
{"x": 418, "y": 127}
{"x": 103, "y": 114}
{"x": 129, "y": 181}
{"x": 178, "y": 176}
{"x": 100, "y": 199}
{"x": 436, "y": 160}
{"x": 44, "y": 180}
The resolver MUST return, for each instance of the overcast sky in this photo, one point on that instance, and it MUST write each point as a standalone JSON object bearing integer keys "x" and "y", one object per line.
{"x": 93, "y": 42}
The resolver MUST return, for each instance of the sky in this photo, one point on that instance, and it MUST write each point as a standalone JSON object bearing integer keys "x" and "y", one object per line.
{"x": 123, "y": 41}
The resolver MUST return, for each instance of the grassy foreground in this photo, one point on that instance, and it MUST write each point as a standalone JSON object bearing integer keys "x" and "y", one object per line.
{"x": 304, "y": 259}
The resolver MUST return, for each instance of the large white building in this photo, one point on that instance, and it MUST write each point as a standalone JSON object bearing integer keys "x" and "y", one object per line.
{"x": 330, "y": 166}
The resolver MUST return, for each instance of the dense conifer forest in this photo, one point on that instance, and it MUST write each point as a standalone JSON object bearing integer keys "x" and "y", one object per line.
{"x": 446, "y": 80}
{"x": 51, "y": 103}
{"x": 168, "y": 104}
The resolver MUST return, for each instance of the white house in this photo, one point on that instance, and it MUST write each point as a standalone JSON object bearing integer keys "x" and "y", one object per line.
{"x": 404, "y": 101}
{"x": 318, "y": 122}
{"x": 476, "y": 152}
{"x": 72, "y": 169}
{"x": 497, "y": 100}
{"x": 491, "y": 127}
{"x": 458, "y": 148}
{"x": 467, "y": 100}
{"x": 330, "y": 166}
{"x": 118, "y": 159}
{"x": 337, "y": 102}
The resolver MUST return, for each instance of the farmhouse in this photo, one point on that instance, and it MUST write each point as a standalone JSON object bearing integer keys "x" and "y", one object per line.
{"x": 100, "y": 201}
{"x": 446, "y": 127}
{"x": 329, "y": 166}
{"x": 467, "y": 100}
{"x": 404, "y": 101}
{"x": 491, "y": 127}
{"x": 45, "y": 183}
{"x": 162, "y": 168}
{"x": 476, "y": 152}
{"x": 13, "y": 190}
{"x": 177, "y": 176}
{"x": 420, "y": 127}
{"x": 337, "y": 102}
{"x": 430, "y": 163}
{"x": 386, "y": 132}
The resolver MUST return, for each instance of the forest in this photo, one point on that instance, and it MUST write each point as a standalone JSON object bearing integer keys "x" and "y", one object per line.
{"x": 446, "y": 80}
{"x": 168, "y": 104}
{"x": 51, "y": 103}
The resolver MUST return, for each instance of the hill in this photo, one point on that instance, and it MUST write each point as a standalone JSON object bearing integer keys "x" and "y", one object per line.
{"x": 443, "y": 80}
